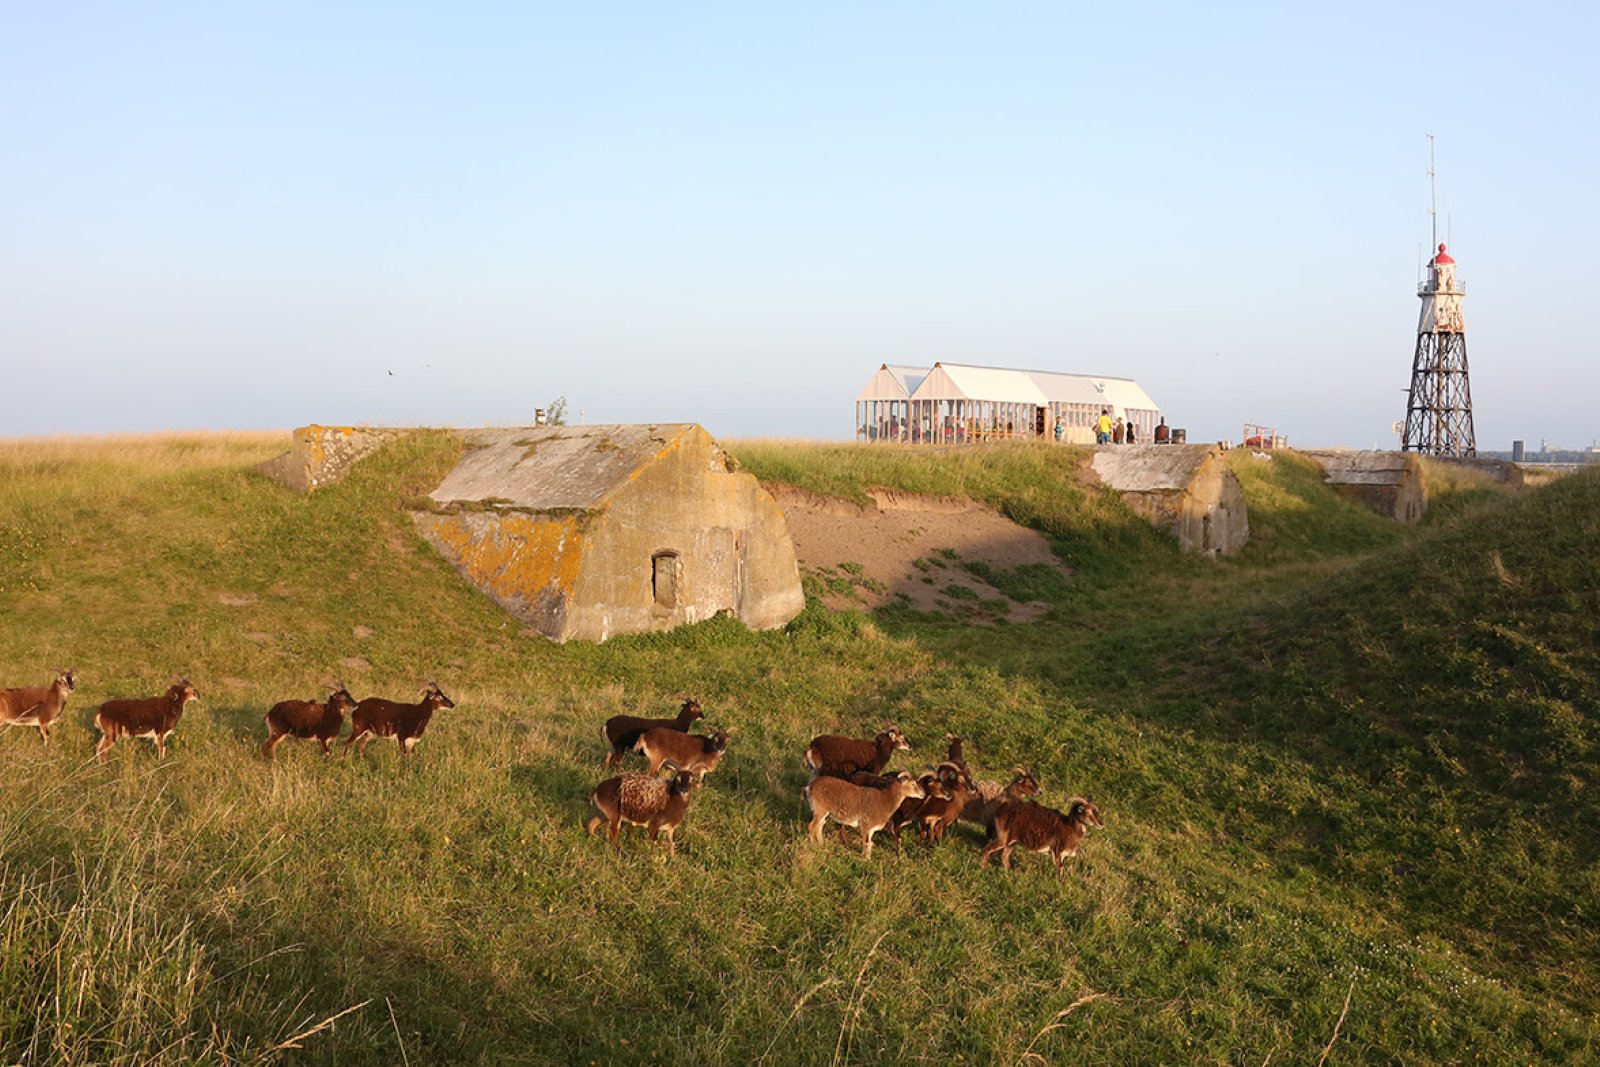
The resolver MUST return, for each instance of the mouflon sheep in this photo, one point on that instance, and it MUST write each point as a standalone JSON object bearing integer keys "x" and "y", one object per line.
{"x": 38, "y": 706}
{"x": 405, "y": 723}
{"x": 846, "y": 755}
{"x": 1040, "y": 829}
{"x": 867, "y": 809}
{"x": 981, "y": 808}
{"x": 698, "y": 754}
{"x": 622, "y": 732}
{"x": 308, "y": 719}
{"x": 647, "y": 800}
{"x": 152, "y": 717}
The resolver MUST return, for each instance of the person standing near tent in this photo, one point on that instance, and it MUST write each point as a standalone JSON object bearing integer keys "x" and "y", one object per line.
{"x": 1102, "y": 427}
{"x": 1128, "y": 434}
{"x": 1116, "y": 432}
{"x": 1061, "y": 428}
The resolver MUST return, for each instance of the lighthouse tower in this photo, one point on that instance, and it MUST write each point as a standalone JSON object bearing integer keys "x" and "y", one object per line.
{"x": 1439, "y": 403}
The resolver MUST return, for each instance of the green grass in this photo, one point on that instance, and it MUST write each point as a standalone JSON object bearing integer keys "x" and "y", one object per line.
{"x": 1353, "y": 761}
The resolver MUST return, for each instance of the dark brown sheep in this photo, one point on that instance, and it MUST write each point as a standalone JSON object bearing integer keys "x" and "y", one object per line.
{"x": 405, "y": 723}
{"x": 308, "y": 719}
{"x": 646, "y": 800}
{"x": 622, "y": 732}
{"x": 152, "y": 717}
{"x": 38, "y": 706}
{"x": 1040, "y": 829}
{"x": 846, "y": 755}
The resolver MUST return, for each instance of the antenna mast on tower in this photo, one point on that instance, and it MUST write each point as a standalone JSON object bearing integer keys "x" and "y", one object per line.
{"x": 1439, "y": 402}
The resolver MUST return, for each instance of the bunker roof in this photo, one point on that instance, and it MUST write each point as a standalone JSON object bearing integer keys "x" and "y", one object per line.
{"x": 545, "y": 467}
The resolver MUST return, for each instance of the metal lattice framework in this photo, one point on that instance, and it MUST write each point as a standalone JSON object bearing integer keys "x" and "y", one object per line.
{"x": 1439, "y": 403}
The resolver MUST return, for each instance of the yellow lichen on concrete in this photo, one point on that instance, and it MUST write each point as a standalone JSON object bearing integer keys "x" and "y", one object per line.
{"x": 519, "y": 557}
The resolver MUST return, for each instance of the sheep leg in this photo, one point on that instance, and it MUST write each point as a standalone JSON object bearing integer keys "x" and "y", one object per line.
{"x": 866, "y": 837}
{"x": 44, "y": 732}
{"x": 594, "y": 824}
{"x": 817, "y": 822}
{"x": 988, "y": 850}
{"x": 161, "y": 746}
{"x": 611, "y": 831}
{"x": 273, "y": 741}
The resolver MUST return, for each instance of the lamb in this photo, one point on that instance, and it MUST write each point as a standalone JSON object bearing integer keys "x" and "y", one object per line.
{"x": 622, "y": 732}
{"x": 982, "y": 808}
{"x": 867, "y": 809}
{"x": 405, "y": 723}
{"x": 152, "y": 717}
{"x": 38, "y": 706}
{"x": 306, "y": 719}
{"x": 846, "y": 755}
{"x": 1041, "y": 829}
{"x": 646, "y": 800}
{"x": 698, "y": 754}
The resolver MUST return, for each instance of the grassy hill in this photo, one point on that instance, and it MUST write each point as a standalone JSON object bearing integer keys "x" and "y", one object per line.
{"x": 1345, "y": 777}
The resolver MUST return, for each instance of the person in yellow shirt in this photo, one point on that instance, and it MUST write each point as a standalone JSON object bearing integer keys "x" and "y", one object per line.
{"x": 1102, "y": 427}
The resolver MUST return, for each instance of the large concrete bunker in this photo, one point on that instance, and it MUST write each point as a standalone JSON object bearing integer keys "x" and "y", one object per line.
{"x": 1186, "y": 490}
{"x": 588, "y": 532}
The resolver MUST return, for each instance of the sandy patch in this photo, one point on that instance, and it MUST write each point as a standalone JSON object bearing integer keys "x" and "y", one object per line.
{"x": 913, "y": 550}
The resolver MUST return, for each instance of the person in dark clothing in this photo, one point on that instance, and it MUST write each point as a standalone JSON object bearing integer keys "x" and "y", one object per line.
{"x": 1128, "y": 434}
{"x": 1116, "y": 432}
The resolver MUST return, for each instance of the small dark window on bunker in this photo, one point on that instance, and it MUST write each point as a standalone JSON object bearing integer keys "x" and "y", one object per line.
{"x": 664, "y": 579}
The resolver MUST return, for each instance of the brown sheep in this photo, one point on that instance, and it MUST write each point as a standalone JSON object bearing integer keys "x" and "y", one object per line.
{"x": 38, "y": 706}
{"x": 308, "y": 719}
{"x": 152, "y": 717}
{"x": 846, "y": 755}
{"x": 981, "y": 809}
{"x": 1040, "y": 829}
{"x": 622, "y": 732}
{"x": 939, "y": 814}
{"x": 698, "y": 754}
{"x": 867, "y": 809}
{"x": 405, "y": 723}
{"x": 646, "y": 800}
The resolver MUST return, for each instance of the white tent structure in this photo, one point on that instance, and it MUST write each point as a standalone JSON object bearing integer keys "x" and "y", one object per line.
{"x": 959, "y": 403}
{"x": 883, "y": 410}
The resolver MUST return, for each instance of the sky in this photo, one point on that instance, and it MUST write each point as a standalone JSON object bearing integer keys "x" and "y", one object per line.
{"x": 266, "y": 215}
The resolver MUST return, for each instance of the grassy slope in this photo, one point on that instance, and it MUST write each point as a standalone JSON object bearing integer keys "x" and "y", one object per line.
{"x": 1284, "y": 790}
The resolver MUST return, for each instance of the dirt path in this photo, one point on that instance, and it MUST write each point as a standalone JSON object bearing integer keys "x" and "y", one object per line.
{"x": 921, "y": 551}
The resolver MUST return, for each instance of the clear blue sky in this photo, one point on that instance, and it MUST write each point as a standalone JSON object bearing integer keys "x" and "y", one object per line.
{"x": 249, "y": 215}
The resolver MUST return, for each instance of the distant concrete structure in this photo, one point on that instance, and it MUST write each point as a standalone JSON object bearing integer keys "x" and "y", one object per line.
{"x": 587, "y": 532}
{"x": 1390, "y": 483}
{"x": 1186, "y": 490}
{"x": 320, "y": 455}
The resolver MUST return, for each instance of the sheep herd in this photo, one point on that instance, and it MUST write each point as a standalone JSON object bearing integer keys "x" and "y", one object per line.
{"x": 849, "y": 781}
{"x": 848, "y": 784}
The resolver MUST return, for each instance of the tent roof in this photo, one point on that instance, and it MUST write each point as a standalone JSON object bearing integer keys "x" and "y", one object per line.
{"x": 955, "y": 381}
{"x": 893, "y": 383}
{"x": 1069, "y": 388}
{"x": 1126, "y": 393}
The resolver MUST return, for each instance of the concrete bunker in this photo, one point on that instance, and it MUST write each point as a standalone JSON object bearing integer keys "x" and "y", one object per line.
{"x": 1185, "y": 490}
{"x": 587, "y": 532}
{"x": 1390, "y": 483}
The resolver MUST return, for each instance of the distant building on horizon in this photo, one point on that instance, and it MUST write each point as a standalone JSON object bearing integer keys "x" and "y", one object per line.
{"x": 958, "y": 403}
